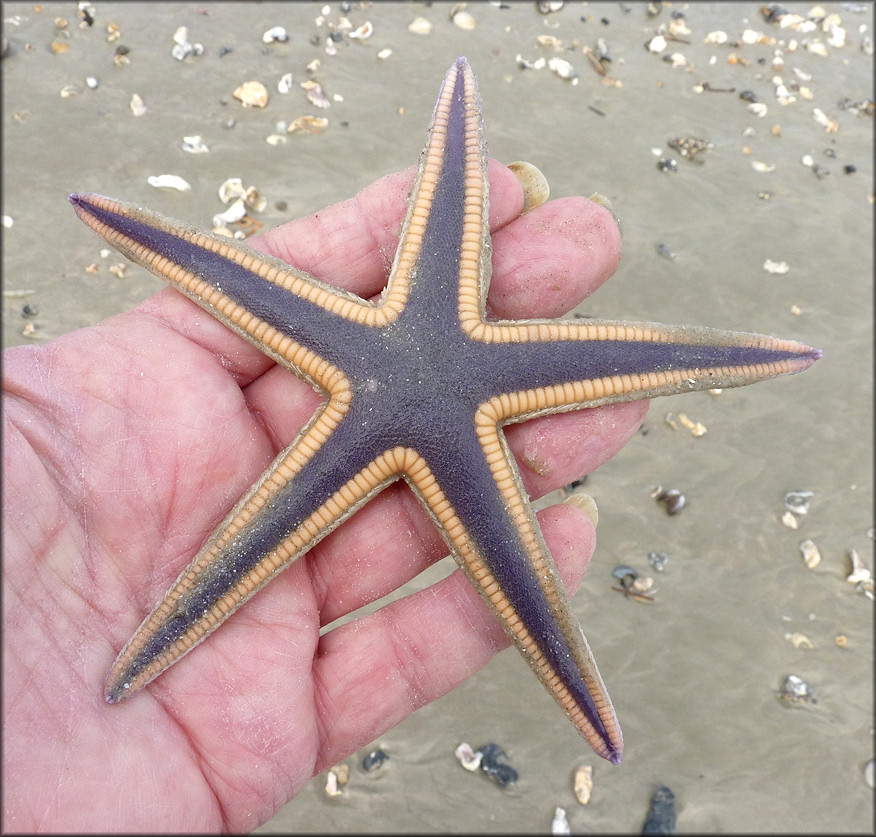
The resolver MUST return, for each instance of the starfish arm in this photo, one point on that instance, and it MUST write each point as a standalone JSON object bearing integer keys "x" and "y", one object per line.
{"x": 492, "y": 532}
{"x": 310, "y": 488}
{"x": 563, "y": 366}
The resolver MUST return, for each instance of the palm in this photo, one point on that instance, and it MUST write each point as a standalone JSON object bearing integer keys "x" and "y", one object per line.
{"x": 127, "y": 443}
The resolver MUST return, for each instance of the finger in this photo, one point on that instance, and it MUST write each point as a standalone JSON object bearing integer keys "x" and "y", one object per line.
{"x": 549, "y": 259}
{"x": 373, "y": 672}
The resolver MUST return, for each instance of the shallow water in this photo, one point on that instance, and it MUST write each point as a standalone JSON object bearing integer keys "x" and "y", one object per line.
{"x": 694, "y": 675}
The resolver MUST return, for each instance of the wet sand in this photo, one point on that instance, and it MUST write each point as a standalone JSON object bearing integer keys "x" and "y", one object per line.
{"x": 694, "y": 675}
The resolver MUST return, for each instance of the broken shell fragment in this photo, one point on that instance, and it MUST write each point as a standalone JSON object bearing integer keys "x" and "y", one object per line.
{"x": 800, "y": 641}
{"x": 307, "y": 125}
{"x": 138, "y": 108}
{"x": 315, "y": 93}
{"x": 583, "y": 783}
{"x": 374, "y": 760}
{"x": 252, "y": 94}
{"x": 420, "y": 26}
{"x": 169, "y": 181}
{"x": 563, "y": 68}
{"x": 336, "y": 778}
{"x": 798, "y": 501}
{"x": 467, "y": 757}
{"x": 365, "y": 31}
{"x": 462, "y": 18}
{"x": 796, "y": 690}
{"x": 194, "y": 145}
{"x": 560, "y": 822}
{"x": 810, "y": 553}
{"x": 776, "y": 267}
{"x": 656, "y": 45}
{"x": 536, "y": 189}
{"x": 673, "y": 499}
{"x": 275, "y": 33}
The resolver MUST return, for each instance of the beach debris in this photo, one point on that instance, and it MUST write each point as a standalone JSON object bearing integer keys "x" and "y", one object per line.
{"x": 763, "y": 168}
{"x": 771, "y": 266}
{"x": 800, "y": 641}
{"x": 8, "y": 221}
{"x": 672, "y": 498}
{"x": 795, "y": 690}
{"x": 307, "y": 125}
{"x": 91, "y": 82}
{"x": 632, "y": 585}
{"x": 252, "y": 94}
{"x": 860, "y": 576}
{"x": 691, "y": 148}
{"x": 420, "y": 26}
{"x": 138, "y": 108}
{"x": 560, "y": 823}
{"x": 870, "y": 774}
{"x": 716, "y": 38}
{"x": 841, "y": 641}
{"x": 536, "y": 189}
{"x": 656, "y": 45}
{"x": 658, "y": 560}
{"x": 363, "y": 32}
{"x": 547, "y": 6}
{"x": 276, "y": 34}
{"x": 169, "y": 181}
{"x": 183, "y": 47}
{"x": 798, "y": 501}
{"x": 284, "y": 85}
{"x": 315, "y": 93}
{"x": 810, "y": 553}
{"x": 831, "y": 126}
{"x": 502, "y": 774}
{"x": 563, "y": 69}
{"x": 667, "y": 164}
{"x": 336, "y": 778}
{"x": 697, "y": 428}
{"x": 486, "y": 758}
{"x": 461, "y": 17}
{"x": 661, "y": 815}
{"x": 789, "y": 520}
{"x": 467, "y": 757}
{"x": 583, "y": 783}
{"x": 374, "y": 760}
{"x": 194, "y": 145}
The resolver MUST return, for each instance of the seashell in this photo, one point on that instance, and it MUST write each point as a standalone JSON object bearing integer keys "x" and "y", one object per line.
{"x": 817, "y": 48}
{"x": 308, "y": 125}
{"x": 810, "y": 553}
{"x": 91, "y": 82}
{"x": 384, "y": 54}
{"x": 763, "y": 168}
{"x": 658, "y": 560}
{"x": 536, "y": 189}
{"x": 676, "y": 59}
{"x": 231, "y": 215}
{"x": 798, "y": 501}
{"x": 169, "y": 181}
{"x": 231, "y": 190}
{"x": 859, "y": 571}
{"x": 138, "y": 108}
{"x": 716, "y": 38}
{"x": 562, "y": 68}
{"x": 252, "y": 94}
{"x": 583, "y": 783}
{"x": 7, "y": 222}
{"x": 193, "y": 145}
{"x": 795, "y": 689}
{"x": 550, "y": 41}
{"x": 336, "y": 778}
{"x": 467, "y": 757}
{"x": 678, "y": 28}
{"x": 275, "y": 33}
{"x": 789, "y": 520}
{"x": 560, "y": 823}
{"x": 284, "y": 85}
{"x": 822, "y": 119}
{"x": 870, "y": 774}
{"x": 547, "y": 6}
{"x": 420, "y": 26}
{"x": 461, "y": 17}
{"x": 315, "y": 93}
{"x": 759, "y": 109}
{"x": 800, "y": 641}
{"x": 656, "y": 45}
{"x": 275, "y": 139}
{"x": 776, "y": 267}
{"x": 69, "y": 90}
{"x": 365, "y": 31}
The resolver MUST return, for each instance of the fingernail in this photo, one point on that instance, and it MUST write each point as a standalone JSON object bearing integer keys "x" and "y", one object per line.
{"x": 596, "y": 197}
{"x": 587, "y": 505}
{"x": 536, "y": 189}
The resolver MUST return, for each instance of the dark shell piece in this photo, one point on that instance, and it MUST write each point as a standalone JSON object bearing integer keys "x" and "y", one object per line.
{"x": 673, "y": 499}
{"x": 374, "y": 760}
{"x": 503, "y": 774}
{"x": 661, "y": 817}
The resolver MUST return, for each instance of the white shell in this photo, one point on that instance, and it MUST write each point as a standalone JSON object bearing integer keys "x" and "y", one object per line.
{"x": 253, "y": 94}
{"x": 169, "y": 181}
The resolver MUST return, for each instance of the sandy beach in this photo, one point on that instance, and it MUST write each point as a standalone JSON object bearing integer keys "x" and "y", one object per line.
{"x": 769, "y": 228}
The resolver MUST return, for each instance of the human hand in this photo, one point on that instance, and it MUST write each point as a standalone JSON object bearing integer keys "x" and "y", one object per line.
{"x": 124, "y": 446}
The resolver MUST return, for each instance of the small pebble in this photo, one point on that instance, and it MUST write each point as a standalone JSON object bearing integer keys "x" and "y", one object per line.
{"x": 30, "y": 310}
{"x": 796, "y": 690}
{"x": 658, "y": 560}
{"x": 673, "y": 499}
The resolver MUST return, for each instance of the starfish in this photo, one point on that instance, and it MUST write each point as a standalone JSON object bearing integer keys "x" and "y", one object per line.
{"x": 418, "y": 386}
